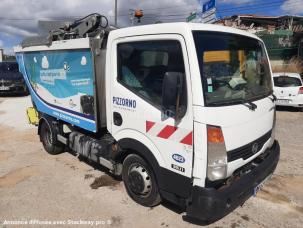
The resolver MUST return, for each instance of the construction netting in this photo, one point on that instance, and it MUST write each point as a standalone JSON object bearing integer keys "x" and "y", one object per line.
{"x": 280, "y": 44}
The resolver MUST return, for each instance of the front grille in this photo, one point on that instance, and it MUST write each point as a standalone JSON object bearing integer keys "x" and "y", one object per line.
{"x": 6, "y": 82}
{"x": 247, "y": 150}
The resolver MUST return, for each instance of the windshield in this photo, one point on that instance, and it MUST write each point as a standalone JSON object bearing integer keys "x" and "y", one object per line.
{"x": 234, "y": 69}
{"x": 285, "y": 81}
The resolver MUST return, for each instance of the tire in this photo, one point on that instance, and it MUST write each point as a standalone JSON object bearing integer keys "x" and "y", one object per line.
{"x": 140, "y": 181}
{"x": 48, "y": 139}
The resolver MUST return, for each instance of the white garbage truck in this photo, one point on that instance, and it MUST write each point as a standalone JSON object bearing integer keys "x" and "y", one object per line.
{"x": 184, "y": 112}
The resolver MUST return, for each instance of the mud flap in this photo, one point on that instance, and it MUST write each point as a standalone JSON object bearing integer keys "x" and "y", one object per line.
{"x": 32, "y": 116}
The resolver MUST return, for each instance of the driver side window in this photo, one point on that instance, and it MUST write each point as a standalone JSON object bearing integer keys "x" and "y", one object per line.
{"x": 142, "y": 66}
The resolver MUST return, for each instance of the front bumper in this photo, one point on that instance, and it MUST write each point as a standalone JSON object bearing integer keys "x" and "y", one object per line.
{"x": 15, "y": 89}
{"x": 296, "y": 102}
{"x": 295, "y": 105}
{"x": 209, "y": 205}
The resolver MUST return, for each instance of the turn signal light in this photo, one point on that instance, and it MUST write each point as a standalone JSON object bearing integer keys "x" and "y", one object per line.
{"x": 216, "y": 154}
{"x": 214, "y": 134}
{"x": 301, "y": 90}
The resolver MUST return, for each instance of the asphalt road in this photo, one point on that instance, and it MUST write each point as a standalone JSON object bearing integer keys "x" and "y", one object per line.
{"x": 37, "y": 188}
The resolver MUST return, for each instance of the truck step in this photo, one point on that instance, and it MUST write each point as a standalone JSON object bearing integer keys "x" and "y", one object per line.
{"x": 62, "y": 139}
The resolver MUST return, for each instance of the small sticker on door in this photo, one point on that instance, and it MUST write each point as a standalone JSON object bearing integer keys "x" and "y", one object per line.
{"x": 210, "y": 89}
{"x": 179, "y": 168}
{"x": 209, "y": 81}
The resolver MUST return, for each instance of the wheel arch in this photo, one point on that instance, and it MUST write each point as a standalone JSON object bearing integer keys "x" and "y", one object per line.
{"x": 133, "y": 146}
{"x": 167, "y": 180}
{"x": 45, "y": 119}
{"x": 52, "y": 123}
{"x": 131, "y": 140}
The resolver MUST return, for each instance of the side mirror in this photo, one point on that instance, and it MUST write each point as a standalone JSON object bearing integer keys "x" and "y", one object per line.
{"x": 171, "y": 92}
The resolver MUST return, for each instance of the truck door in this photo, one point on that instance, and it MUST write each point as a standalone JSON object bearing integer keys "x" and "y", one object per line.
{"x": 138, "y": 66}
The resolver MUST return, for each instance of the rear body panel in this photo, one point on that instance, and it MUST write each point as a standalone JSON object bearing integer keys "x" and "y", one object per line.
{"x": 61, "y": 83}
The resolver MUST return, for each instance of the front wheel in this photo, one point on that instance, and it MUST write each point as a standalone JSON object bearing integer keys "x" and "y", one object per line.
{"x": 48, "y": 139}
{"x": 140, "y": 181}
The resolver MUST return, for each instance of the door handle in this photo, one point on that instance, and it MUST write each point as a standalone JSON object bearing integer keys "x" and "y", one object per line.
{"x": 117, "y": 119}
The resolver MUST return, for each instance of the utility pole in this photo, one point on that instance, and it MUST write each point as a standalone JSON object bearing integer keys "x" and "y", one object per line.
{"x": 132, "y": 16}
{"x": 116, "y": 13}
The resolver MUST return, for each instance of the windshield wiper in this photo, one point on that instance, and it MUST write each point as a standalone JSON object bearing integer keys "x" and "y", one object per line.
{"x": 252, "y": 106}
{"x": 274, "y": 98}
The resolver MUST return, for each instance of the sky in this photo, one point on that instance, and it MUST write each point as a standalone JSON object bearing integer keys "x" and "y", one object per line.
{"x": 19, "y": 18}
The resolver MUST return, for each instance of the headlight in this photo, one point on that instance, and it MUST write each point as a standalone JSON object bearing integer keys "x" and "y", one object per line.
{"x": 216, "y": 154}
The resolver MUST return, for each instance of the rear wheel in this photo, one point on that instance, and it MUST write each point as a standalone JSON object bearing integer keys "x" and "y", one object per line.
{"x": 140, "y": 181}
{"x": 48, "y": 139}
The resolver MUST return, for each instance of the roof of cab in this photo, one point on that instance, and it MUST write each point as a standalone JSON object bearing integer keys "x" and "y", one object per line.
{"x": 175, "y": 28}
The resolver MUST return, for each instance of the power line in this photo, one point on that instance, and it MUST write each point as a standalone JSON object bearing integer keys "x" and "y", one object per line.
{"x": 36, "y": 19}
{"x": 72, "y": 17}
{"x": 168, "y": 7}
{"x": 263, "y": 5}
{"x": 252, "y": 4}
{"x": 186, "y": 5}
{"x": 259, "y": 8}
{"x": 242, "y": 8}
{"x": 256, "y": 7}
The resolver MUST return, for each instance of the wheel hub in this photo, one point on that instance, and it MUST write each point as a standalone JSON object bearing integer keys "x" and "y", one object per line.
{"x": 139, "y": 180}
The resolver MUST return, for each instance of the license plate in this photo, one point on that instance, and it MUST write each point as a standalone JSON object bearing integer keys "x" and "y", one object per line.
{"x": 260, "y": 186}
{"x": 4, "y": 88}
{"x": 282, "y": 101}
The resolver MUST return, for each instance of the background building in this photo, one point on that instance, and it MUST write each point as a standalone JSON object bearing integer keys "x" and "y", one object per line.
{"x": 282, "y": 35}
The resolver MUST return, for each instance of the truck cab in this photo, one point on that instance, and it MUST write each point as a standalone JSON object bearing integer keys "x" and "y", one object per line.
{"x": 199, "y": 99}
{"x": 183, "y": 112}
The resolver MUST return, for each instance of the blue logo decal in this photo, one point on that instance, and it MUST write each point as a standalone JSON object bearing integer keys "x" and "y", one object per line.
{"x": 129, "y": 103}
{"x": 178, "y": 158}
